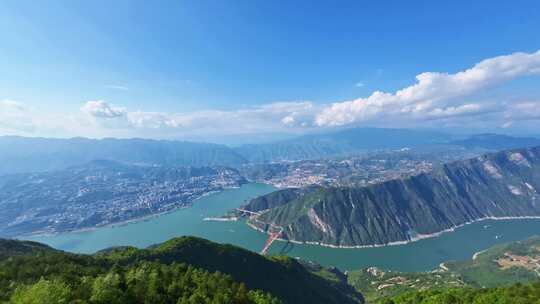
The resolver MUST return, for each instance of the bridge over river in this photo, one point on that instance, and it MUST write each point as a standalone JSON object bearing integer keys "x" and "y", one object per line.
{"x": 272, "y": 236}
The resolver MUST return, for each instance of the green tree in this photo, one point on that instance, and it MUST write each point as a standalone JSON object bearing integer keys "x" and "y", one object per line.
{"x": 106, "y": 289}
{"x": 43, "y": 292}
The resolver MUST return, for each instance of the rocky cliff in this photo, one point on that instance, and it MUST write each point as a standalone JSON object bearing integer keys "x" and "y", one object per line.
{"x": 498, "y": 185}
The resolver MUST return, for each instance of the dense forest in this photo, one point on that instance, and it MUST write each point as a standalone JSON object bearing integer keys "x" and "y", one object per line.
{"x": 182, "y": 270}
{"x": 516, "y": 294}
{"x": 194, "y": 270}
{"x": 143, "y": 282}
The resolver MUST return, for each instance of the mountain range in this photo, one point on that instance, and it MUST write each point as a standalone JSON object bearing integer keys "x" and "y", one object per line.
{"x": 23, "y": 154}
{"x": 497, "y": 185}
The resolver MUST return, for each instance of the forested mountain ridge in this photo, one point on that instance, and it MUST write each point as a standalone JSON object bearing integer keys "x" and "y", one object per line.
{"x": 497, "y": 185}
{"x": 33, "y": 154}
{"x": 181, "y": 270}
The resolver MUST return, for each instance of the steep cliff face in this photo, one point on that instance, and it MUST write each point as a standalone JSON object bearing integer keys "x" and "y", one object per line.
{"x": 503, "y": 184}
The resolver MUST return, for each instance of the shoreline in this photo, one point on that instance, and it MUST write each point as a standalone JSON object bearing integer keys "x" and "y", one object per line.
{"x": 478, "y": 253}
{"x": 418, "y": 237}
{"x": 220, "y": 219}
{"x": 110, "y": 225}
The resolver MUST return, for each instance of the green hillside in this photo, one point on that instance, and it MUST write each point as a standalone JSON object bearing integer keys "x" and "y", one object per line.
{"x": 375, "y": 283}
{"x": 501, "y": 265}
{"x": 12, "y": 248}
{"x": 182, "y": 270}
{"x": 516, "y": 262}
{"x": 502, "y": 184}
{"x": 517, "y": 294}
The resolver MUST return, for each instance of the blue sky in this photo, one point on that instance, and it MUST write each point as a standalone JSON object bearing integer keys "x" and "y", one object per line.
{"x": 188, "y": 69}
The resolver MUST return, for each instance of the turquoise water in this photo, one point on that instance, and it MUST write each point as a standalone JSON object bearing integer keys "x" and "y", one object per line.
{"x": 418, "y": 256}
{"x": 187, "y": 221}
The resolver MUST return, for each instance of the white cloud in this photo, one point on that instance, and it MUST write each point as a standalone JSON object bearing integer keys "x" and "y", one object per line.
{"x": 435, "y": 100}
{"x": 116, "y": 87}
{"x": 461, "y": 110}
{"x": 14, "y": 118}
{"x": 359, "y": 84}
{"x": 288, "y": 120}
{"x": 433, "y": 92}
{"x": 265, "y": 118}
{"x": 101, "y": 109}
{"x": 11, "y": 105}
{"x": 524, "y": 110}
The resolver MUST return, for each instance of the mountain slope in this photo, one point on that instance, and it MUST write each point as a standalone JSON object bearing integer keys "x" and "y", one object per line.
{"x": 518, "y": 293}
{"x": 282, "y": 277}
{"x": 497, "y": 185}
{"x": 515, "y": 262}
{"x": 278, "y": 198}
{"x": 11, "y": 248}
{"x": 501, "y": 265}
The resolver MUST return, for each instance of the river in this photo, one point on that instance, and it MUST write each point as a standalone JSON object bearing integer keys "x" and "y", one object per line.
{"x": 417, "y": 256}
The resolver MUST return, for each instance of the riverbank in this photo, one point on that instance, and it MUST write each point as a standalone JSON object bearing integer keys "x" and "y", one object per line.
{"x": 478, "y": 253}
{"x": 143, "y": 218}
{"x": 221, "y": 219}
{"x": 418, "y": 237}
{"x": 108, "y": 225}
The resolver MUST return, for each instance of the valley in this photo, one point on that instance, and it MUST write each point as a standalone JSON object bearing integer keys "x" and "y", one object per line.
{"x": 361, "y": 203}
{"x": 423, "y": 255}
{"x": 269, "y": 152}
{"x": 77, "y": 184}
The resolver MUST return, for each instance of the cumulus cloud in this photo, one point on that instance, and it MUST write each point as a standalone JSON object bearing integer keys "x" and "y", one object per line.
{"x": 433, "y": 93}
{"x": 436, "y": 99}
{"x": 461, "y": 110}
{"x": 265, "y": 118}
{"x": 101, "y": 109}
